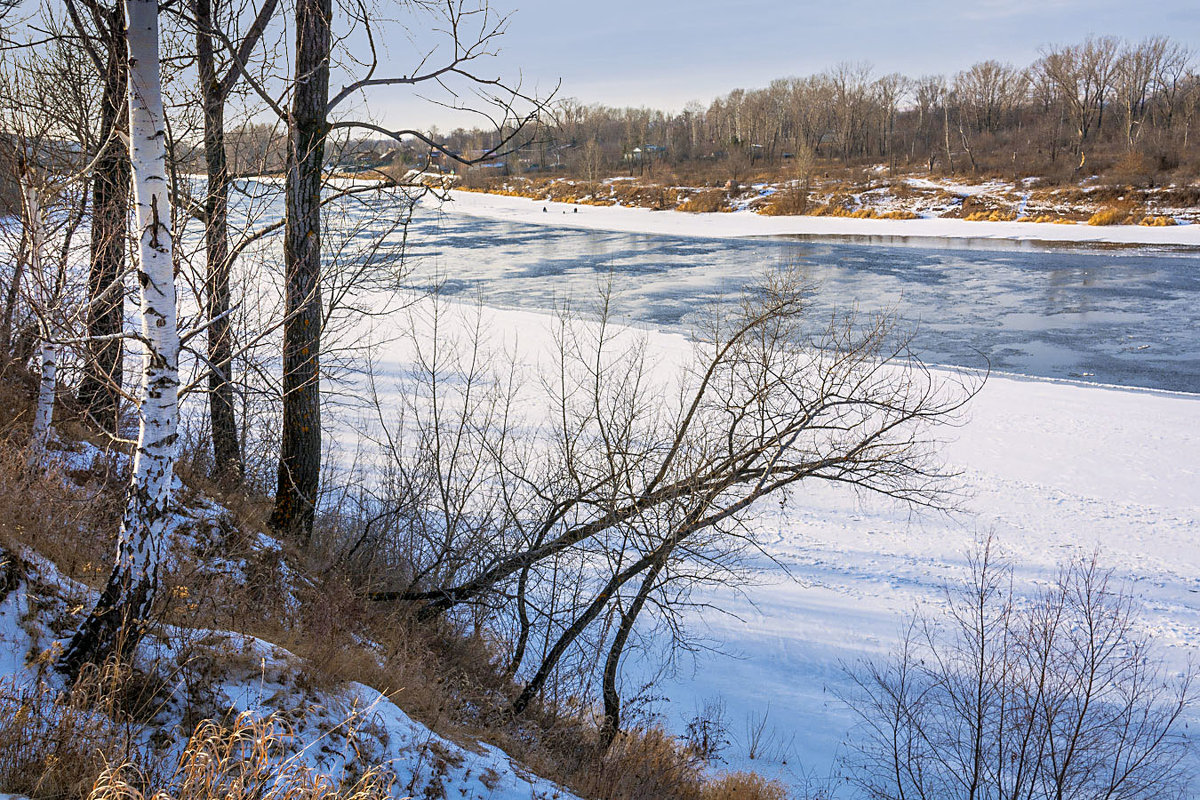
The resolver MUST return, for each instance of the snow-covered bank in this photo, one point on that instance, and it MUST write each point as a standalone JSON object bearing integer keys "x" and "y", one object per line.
{"x": 1055, "y": 469}
{"x": 334, "y": 727}
{"x": 746, "y": 223}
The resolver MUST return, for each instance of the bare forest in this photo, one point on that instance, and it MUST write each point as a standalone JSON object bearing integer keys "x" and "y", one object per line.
{"x": 1126, "y": 110}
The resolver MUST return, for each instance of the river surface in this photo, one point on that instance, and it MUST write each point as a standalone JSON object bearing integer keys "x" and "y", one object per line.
{"x": 1129, "y": 317}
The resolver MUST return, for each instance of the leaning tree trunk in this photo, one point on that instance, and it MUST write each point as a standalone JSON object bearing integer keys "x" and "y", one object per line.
{"x": 100, "y": 390}
{"x": 300, "y": 448}
{"x": 227, "y": 457}
{"x": 612, "y": 698}
{"x": 44, "y": 416}
{"x": 120, "y": 616}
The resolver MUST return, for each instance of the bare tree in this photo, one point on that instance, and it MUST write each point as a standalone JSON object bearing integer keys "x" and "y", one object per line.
{"x": 626, "y": 486}
{"x": 216, "y": 84}
{"x": 104, "y": 369}
{"x": 1058, "y": 696}
{"x": 471, "y": 30}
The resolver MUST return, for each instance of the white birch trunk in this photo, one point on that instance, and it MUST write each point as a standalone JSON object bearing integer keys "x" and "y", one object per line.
{"x": 121, "y": 614}
{"x": 44, "y": 416}
{"x": 154, "y": 461}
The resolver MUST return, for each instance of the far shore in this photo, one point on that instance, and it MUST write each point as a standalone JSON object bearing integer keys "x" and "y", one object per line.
{"x": 737, "y": 224}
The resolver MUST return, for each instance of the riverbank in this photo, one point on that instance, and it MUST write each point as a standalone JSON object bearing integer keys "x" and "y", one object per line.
{"x": 746, "y": 223}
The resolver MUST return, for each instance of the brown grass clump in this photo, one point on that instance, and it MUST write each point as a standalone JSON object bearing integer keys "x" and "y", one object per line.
{"x": 49, "y": 747}
{"x": 648, "y": 764}
{"x": 1110, "y": 215}
{"x": 744, "y": 786}
{"x": 994, "y": 215}
{"x": 1157, "y": 222}
{"x": 705, "y": 202}
{"x": 248, "y": 759}
{"x": 830, "y": 209}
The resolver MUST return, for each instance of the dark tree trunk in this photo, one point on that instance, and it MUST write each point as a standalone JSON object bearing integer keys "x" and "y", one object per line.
{"x": 104, "y": 370}
{"x": 227, "y": 457}
{"x": 612, "y": 700}
{"x": 300, "y": 450}
{"x": 523, "y": 624}
{"x": 578, "y": 626}
{"x": 10, "y": 302}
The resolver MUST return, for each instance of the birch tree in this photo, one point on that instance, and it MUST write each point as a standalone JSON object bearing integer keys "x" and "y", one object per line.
{"x": 32, "y": 212}
{"x": 120, "y": 616}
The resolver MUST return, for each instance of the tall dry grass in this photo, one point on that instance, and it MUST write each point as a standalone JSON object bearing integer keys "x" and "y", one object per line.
{"x": 247, "y": 759}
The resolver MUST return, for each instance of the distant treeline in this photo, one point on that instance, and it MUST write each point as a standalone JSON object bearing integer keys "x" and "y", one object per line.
{"x": 1105, "y": 105}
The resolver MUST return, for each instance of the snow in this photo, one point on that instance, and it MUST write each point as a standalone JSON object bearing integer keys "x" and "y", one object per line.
{"x": 1055, "y": 469}
{"x": 746, "y": 223}
{"x": 338, "y": 730}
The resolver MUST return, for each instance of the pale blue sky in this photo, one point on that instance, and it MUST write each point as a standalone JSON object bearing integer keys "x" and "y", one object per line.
{"x": 664, "y": 53}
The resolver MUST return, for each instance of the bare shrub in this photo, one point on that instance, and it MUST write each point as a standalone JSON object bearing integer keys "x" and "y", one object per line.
{"x": 705, "y": 202}
{"x": 1057, "y": 697}
{"x": 791, "y": 200}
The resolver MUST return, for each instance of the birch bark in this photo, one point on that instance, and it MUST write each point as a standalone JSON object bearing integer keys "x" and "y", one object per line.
{"x": 120, "y": 616}
{"x": 47, "y": 385}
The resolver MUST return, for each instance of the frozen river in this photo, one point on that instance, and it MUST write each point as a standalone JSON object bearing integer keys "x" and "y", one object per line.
{"x": 1129, "y": 317}
{"x": 1054, "y": 471}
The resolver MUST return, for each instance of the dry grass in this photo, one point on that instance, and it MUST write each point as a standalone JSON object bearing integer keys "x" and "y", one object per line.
{"x": 1109, "y": 216}
{"x": 70, "y": 518}
{"x": 744, "y": 786}
{"x": 705, "y": 202}
{"x": 995, "y": 215}
{"x": 50, "y": 748}
{"x": 1119, "y": 213}
{"x": 648, "y": 764}
{"x": 249, "y": 759}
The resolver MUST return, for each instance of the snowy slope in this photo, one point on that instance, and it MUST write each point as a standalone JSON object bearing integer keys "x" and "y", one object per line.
{"x": 338, "y": 730}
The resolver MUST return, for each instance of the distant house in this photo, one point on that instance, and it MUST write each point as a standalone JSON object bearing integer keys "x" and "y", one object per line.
{"x": 646, "y": 151}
